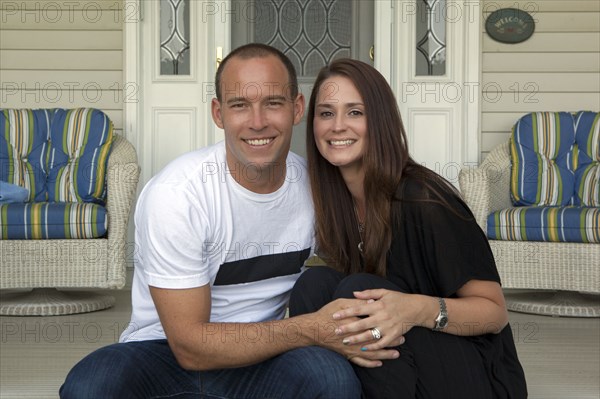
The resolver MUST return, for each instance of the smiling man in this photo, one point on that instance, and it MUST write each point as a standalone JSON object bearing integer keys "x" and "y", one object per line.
{"x": 223, "y": 233}
{"x": 257, "y": 107}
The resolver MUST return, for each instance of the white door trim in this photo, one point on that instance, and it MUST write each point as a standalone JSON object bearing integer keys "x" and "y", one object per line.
{"x": 384, "y": 38}
{"x": 133, "y": 12}
{"x": 472, "y": 59}
{"x": 458, "y": 116}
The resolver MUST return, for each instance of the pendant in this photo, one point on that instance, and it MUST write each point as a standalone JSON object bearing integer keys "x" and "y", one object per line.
{"x": 360, "y": 247}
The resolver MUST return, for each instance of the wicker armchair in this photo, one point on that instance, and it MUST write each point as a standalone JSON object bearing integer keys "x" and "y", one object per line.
{"x": 47, "y": 264}
{"x": 569, "y": 273}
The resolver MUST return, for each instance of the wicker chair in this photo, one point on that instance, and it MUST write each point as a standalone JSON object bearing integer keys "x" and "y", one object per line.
{"x": 47, "y": 264}
{"x": 569, "y": 273}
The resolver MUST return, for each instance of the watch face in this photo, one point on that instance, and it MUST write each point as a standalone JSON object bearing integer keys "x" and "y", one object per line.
{"x": 443, "y": 322}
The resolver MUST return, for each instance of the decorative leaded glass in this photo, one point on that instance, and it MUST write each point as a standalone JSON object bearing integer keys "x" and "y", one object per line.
{"x": 174, "y": 37}
{"x": 310, "y": 32}
{"x": 431, "y": 37}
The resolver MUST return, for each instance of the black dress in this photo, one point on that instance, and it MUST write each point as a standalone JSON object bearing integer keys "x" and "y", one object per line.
{"x": 436, "y": 248}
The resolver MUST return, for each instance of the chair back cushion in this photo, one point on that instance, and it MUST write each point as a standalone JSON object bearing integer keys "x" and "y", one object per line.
{"x": 80, "y": 143}
{"x": 24, "y": 135}
{"x": 37, "y": 220}
{"x": 541, "y": 147}
{"x": 587, "y": 174}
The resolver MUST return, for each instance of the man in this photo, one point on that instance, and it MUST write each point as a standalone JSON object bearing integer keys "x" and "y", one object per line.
{"x": 223, "y": 233}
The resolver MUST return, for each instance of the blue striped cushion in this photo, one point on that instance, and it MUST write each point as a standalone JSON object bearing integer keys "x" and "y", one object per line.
{"x": 52, "y": 220}
{"x": 24, "y": 135}
{"x": 587, "y": 174}
{"x": 541, "y": 148}
{"x": 80, "y": 144}
{"x": 556, "y": 224}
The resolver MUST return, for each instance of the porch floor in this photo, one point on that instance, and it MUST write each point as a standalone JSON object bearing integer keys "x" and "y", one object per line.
{"x": 561, "y": 356}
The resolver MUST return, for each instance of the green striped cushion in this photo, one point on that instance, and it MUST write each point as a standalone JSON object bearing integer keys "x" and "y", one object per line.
{"x": 554, "y": 224}
{"x": 541, "y": 148}
{"x": 587, "y": 174}
{"x": 24, "y": 135}
{"x": 19, "y": 221}
{"x": 80, "y": 145}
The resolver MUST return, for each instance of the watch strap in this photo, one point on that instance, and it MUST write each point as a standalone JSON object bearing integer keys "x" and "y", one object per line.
{"x": 442, "y": 320}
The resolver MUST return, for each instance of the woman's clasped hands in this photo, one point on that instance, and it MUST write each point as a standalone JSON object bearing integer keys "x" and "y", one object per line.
{"x": 384, "y": 317}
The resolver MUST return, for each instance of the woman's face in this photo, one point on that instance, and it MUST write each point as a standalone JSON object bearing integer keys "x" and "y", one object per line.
{"x": 340, "y": 123}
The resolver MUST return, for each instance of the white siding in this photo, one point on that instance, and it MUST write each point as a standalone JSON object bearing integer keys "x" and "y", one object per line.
{"x": 63, "y": 54}
{"x": 557, "y": 69}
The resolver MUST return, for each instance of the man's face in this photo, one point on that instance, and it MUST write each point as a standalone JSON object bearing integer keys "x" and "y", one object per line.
{"x": 257, "y": 114}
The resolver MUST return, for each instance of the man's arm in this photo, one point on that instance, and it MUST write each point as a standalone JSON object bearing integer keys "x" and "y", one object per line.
{"x": 201, "y": 345}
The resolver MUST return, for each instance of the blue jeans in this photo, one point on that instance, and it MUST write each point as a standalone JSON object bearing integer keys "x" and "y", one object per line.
{"x": 148, "y": 369}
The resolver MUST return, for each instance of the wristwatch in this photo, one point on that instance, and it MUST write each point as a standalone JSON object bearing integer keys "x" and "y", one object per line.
{"x": 442, "y": 320}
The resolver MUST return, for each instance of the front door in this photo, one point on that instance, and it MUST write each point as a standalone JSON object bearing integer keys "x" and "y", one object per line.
{"x": 310, "y": 33}
{"x": 177, "y": 46}
{"x": 176, "y": 82}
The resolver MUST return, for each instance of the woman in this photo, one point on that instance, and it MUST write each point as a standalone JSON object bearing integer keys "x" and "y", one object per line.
{"x": 399, "y": 238}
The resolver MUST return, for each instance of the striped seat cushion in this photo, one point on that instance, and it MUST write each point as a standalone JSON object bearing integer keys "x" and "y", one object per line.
{"x": 556, "y": 224}
{"x": 24, "y": 135}
{"x": 79, "y": 148}
{"x": 52, "y": 220}
{"x": 541, "y": 147}
{"x": 587, "y": 174}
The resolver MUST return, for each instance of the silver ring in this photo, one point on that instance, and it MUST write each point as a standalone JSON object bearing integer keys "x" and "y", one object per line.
{"x": 376, "y": 333}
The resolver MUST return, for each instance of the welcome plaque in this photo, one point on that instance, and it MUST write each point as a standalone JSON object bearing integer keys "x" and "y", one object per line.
{"x": 509, "y": 25}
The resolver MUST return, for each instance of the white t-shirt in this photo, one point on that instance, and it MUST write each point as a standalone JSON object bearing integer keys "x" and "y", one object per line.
{"x": 195, "y": 225}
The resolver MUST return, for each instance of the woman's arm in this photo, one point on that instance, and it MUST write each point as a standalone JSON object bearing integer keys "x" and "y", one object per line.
{"x": 479, "y": 309}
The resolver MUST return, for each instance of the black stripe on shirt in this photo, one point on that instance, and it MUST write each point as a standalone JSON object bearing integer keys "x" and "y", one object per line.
{"x": 261, "y": 267}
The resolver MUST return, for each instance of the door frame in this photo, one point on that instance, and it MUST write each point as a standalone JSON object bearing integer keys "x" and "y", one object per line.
{"x": 389, "y": 44}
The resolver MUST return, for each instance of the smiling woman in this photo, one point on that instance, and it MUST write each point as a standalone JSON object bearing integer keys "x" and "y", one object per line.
{"x": 404, "y": 249}
{"x": 340, "y": 124}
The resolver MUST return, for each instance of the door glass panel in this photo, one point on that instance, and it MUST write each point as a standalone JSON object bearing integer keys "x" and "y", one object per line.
{"x": 310, "y": 33}
{"x": 174, "y": 37}
{"x": 431, "y": 38}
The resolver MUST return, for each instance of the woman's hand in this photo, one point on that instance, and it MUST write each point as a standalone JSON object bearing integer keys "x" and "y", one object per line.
{"x": 392, "y": 313}
{"x": 328, "y": 337}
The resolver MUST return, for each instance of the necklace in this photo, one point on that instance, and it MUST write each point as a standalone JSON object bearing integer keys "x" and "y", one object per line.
{"x": 361, "y": 229}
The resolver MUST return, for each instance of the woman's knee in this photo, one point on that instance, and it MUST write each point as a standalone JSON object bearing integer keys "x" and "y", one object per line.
{"x": 361, "y": 282}
{"x": 313, "y": 289}
{"x": 318, "y": 276}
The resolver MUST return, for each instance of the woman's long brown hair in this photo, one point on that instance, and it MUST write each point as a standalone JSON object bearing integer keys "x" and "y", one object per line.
{"x": 385, "y": 162}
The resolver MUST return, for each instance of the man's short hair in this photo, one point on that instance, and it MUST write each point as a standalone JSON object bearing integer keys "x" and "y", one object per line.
{"x": 259, "y": 50}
